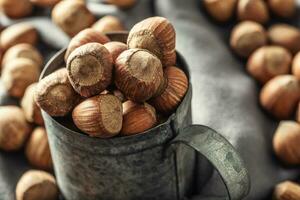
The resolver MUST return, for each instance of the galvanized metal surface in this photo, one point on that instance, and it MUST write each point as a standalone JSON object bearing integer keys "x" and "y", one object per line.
{"x": 144, "y": 166}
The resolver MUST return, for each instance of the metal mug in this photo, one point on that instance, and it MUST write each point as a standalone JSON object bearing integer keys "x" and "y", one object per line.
{"x": 155, "y": 164}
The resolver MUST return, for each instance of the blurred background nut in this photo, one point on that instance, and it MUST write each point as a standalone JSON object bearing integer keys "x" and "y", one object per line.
{"x": 18, "y": 74}
{"x": 16, "y": 8}
{"x": 220, "y": 10}
{"x": 55, "y": 94}
{"x": 83, "y": 37}
{"x": 283, "y": 8}
{"x": 268, "y": 62}
{"x": 72, "y": 16}
{"x": 296, "y": 66}
{"x": 286, "y": 142}
{"x": 246, "y": 37}
{"x": 253, "y": 10}
{"x": 280, "y": 96}
{"x": 121, "y": 3}
{"x": 108, "y": 23}
{"x": 23, "y": 51}
{"x": 45, "y": 3}
{"x": 157, "y": 35}
{"x": 37, "y": 149}
{"x": 14, "y": 129}
{"x": 18, "y": 33}
{"x": 31, "y": 110}
{"x": 287, "y": 191}
{"x": 115, "y": 49}
{"x": 90, "y": 69}
{"x": 37, "y": 185}
{"x": 285, "y": 35}
{"x": 99, "y": 116}
{"x": 175, "y": 89}
{"x": 137, "y": 118}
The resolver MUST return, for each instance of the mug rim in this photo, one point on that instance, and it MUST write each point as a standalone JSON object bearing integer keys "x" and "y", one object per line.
{"x": 183, "y": 66}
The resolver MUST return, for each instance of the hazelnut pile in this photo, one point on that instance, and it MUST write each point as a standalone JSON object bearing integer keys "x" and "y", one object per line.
{"x": 273, "y": 59}
{"x": 111, "y": 88}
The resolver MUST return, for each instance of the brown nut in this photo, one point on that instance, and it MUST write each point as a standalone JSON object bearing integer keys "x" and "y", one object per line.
{"x": 72, "y": 16}
{"x": 285, "y": 35}
{"x": 286, "y": 142}
{"x": 18, "y": 74}
{"x": 45, "y": 3}
{"x": 286, "y": 191}
{"x": 296, "y": 66}
{"x": 108, "y": 24}
{"x": 246, "y": 37}
{"x": 23, "y": 51}
{"x": 37, "y": 185}
{"x": 120, "y": 95}
{"x": 283, "y": 8}
{"x": 253, "y": 10}
{"x": 99, "y": 116}
{"x": 90, "y": 69}
{"x": 31, "y": 110}
{"x": 268, "y": 62}
{"x": 18, "y": 33}
{"x": 157, "y": 35}
{"x": 115, "y": 49}
{"x": 55, "y": 94}
{"x": 175, "y": 90}
{"x": 14, "y": 129}
{"x": 16, "y": 8}
{"x": 83, "y": 37}
{"x": 122, "y": 3}
{"x": 137, "y": 118}
{"x": 220, "y": 10}
{"x": 280, "y": 96}
{"x": 37, "y": 149}
{"x": 138, "y": 74}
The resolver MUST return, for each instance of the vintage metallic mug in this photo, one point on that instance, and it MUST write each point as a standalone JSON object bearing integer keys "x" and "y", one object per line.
{"x": 152, "y": 165}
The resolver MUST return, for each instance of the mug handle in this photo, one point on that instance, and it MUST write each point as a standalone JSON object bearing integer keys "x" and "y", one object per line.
{"x": 221, "y": 154}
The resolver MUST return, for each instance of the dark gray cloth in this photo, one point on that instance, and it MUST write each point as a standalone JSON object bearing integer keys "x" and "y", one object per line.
{"x": 225, "y": 97}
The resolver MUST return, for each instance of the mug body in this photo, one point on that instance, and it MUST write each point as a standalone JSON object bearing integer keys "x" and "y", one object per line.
{"x": 121, "y": 168}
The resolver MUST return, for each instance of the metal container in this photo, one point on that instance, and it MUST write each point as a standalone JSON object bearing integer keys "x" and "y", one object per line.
{"x": 156, "y": 164}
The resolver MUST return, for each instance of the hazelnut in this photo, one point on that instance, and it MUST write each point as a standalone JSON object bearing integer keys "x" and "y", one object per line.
{"x": 107, "y": 24}
{"x": 268, "y": 62}
{"x": 18, "y": 33}
{"x": 90, "y": 69}
{"x": 137, "y": 118}
{"x": 14, "y": 130}
{"x": 37, "y": 149}
{"x": 55, "y": 94}
{"x": 138, "y": 74}
{"x": 283, "y": 8}
{"x": 122, "y": 3}
{"x": 115, "y": 49}
{"x": 72, "y": 16}
{"x": 37, "y": 185}
{"x": 31, "y": 110}
{"x": 157, "y": 35}
{"x": 175, "y": 89}
{"x": 285, "y": 35}
{"x": 286, "y": 142}
{"x": 83, "y": 37}
{"x": 280, "y": 96}
{"x": 99, "y": 116}
{"x": 286, "y": 191}
{"x": 253, "y": 10}
{"x": 296, "y": 66}
{"x": 45, "y": 3}
{"x": 246, "y": 37}
{"x": 120, "y": 95}
{"x": 16, "y": 8}
{"x": 220, "y": 10}
{"x": 23, "y": 51}
{"x": 18, "y": 74}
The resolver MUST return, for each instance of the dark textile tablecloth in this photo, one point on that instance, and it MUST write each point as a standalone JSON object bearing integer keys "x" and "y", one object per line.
{"x": 225, "y": 97}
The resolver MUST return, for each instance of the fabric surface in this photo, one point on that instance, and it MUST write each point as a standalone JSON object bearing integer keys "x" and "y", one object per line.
{"x": 225, "y": 97}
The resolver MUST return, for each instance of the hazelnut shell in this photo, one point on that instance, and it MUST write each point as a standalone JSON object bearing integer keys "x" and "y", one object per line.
{"x": 16, "y": 8}
{"x": 115, "y": 49}
{"x": 296, "y": 66}
{"x": 220, "y": 10}
{"x": 283, "y": 8}
{"x": 122, "y": 3}
{"x": 286, "y": 191}
{"x": 253, "y": 10}
{"x": 45, "y": 3}
{"x": 108, "y": 24}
